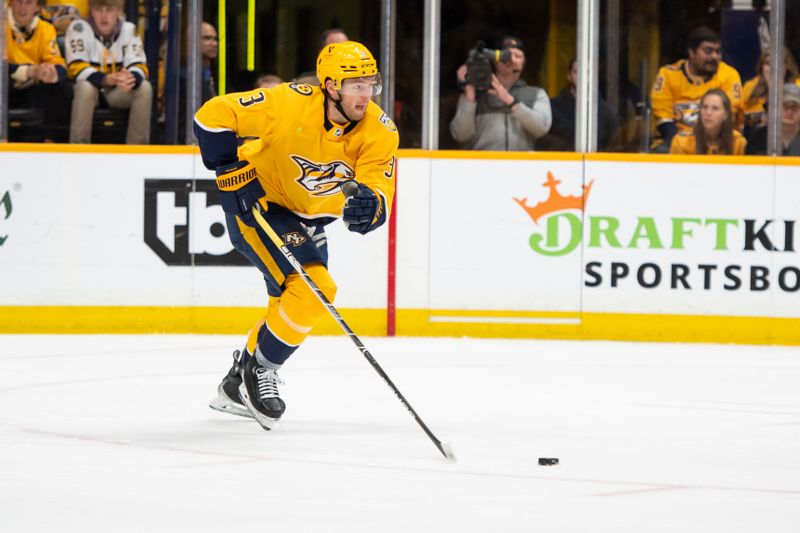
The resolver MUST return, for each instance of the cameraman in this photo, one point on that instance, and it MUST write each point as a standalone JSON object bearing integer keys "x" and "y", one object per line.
{"x": 510, "y": 115}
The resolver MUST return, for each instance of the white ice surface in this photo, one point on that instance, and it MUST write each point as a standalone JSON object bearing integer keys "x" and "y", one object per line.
{"x": 113, "y": 434}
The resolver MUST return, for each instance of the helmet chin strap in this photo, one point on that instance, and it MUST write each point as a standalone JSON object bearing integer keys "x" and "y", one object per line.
{"x": 338, "y": 105}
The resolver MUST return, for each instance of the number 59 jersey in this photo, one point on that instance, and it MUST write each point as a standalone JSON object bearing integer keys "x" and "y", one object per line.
{"x": 301, "y": 157}
{"x": 88, "y": 54}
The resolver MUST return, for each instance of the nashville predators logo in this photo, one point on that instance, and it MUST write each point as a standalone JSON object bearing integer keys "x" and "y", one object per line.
{"x": 322, "y": 179}
{"x": 294, "y": 238}
{"x": 687, "y": 112}
{"x": 303, "y": 88}
{"x": 386, "y": 121}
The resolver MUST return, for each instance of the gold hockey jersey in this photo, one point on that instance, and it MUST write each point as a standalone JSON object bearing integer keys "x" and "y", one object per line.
{"x": 686, "y": 143}
{"x": 81, "y": 6}
{"x": 301, "y": 157}
{"x": 37, "y": 45}
{"x": 87, "y": 53}
{"x": 60, "y": 13}
{"x": 754, "y": 112}
{"x": 676, "y": 93}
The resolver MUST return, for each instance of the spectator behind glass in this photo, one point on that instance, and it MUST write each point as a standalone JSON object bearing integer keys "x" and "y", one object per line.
{"x": 267, "y": 81}
{"x": 333, "y": 35}
{"x": 790, "y": 124}
{"x": 36, "y": 68}
{"x": 509, "y": 116}
{"x": 754, "y": 93}
{"x": 105, "y": 58}
{"x": 713, "y": 132}
{"x": 561, "y": 136}
{"x": 678, "y": 87}
{"x": 308, "y": 77}
{"x": 60, "y": 13}
{"x": 209, "y": 48}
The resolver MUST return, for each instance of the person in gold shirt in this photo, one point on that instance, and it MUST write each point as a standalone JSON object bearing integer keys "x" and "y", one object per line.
{"x": 753, "y": 114}
{"x": 37, "y": 69}
{"x": 678, "y": 87}
{"x": 790, "y": 126}
{"x": 714, "y": 132}
{"x": 309, "y": 140}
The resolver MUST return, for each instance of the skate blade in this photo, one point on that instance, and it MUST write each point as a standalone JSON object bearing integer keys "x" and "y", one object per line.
{"x": 223, "y": 404}
{"x": 263, "y": 420}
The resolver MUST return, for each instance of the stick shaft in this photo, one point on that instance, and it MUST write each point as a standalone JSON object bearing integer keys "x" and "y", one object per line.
{"x": 276, "y": 240}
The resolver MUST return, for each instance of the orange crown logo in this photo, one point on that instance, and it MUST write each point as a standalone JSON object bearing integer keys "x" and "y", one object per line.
{"x": 556, "y": 201}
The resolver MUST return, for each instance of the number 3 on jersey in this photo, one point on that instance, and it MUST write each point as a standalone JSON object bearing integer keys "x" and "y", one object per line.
{"x": 255, "y": 99}
{"x": 388, "y": 174}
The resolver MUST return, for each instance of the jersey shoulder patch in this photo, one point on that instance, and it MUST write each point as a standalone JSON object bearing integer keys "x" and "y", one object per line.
{"x": 77, "y": 26}
{"x": 387, "y": 122}
{"x": 302, "y": 88}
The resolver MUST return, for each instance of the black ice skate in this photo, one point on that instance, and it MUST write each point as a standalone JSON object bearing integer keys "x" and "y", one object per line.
{"x": 259, "y": 392}
{"x": 227, "y": 399}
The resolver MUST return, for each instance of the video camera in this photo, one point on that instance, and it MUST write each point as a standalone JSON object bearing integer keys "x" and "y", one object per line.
{"x": 480, "y": 65}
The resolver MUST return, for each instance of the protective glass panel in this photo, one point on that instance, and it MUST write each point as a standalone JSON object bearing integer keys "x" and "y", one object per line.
{"x": 659, "y": 60}
{"x": 501, "y": 64}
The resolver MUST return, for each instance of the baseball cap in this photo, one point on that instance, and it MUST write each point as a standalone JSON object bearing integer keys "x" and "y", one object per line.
{"x": 791, "y": 93}
{"x": 511, "y": 41}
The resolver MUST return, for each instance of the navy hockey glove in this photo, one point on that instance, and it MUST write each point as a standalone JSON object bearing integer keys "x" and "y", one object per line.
{"x": 364, "y": 211}
{"x": 240, "y": 190}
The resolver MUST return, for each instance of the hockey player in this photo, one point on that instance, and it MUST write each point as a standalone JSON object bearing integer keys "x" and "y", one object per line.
{"x": 678, "y": 87}
{"x": 310, "y": 140}
{"x": 105, "y": 56}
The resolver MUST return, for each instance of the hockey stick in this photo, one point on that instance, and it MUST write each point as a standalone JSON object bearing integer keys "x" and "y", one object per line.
{"x": 348, "y": 189}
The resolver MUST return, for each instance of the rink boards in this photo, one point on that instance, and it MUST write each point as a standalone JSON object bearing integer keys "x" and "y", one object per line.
{"x": 614, "y": 246}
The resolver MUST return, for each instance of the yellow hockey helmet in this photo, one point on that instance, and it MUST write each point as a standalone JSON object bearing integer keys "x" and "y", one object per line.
{"x": 340, "y": 61}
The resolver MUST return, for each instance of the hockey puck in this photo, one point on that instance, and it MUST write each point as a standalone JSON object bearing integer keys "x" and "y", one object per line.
{"x": 548, "y": 461}
{"x": 349, "y": 188}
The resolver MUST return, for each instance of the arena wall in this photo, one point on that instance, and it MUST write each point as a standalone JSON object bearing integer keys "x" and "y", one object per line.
{"x": 600, "y": 246}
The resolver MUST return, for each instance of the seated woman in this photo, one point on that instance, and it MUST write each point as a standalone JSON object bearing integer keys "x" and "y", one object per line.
{"x": 714, "y": 132}
{"x": 753, "y": 115}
